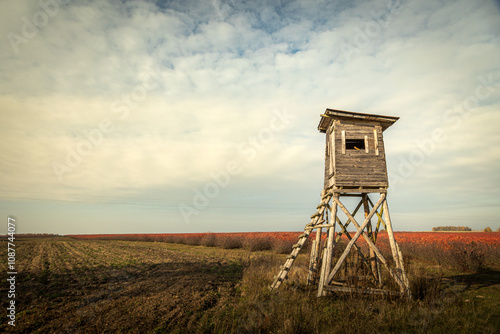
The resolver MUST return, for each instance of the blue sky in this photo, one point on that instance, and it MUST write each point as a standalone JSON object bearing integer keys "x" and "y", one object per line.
{"x": 195, "y": 116}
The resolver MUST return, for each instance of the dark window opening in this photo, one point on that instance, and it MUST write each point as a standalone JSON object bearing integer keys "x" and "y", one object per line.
{"x": 355, "y": 144}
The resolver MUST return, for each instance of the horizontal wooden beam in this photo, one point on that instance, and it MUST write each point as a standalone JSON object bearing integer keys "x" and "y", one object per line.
{"x": 318, "y": 226}
{"x": 370, "y": 291}
{"x": 359, "y": 190}
{"x": 351, "y": 195}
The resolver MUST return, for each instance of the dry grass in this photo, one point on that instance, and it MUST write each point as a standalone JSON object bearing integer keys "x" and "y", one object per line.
{"x": 469, "y": 257}
{"x": 257, "y": 244}
{"x": 229, "y": 242}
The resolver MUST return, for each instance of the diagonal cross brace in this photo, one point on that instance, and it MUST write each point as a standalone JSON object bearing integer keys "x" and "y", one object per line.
{"x": 344, "y": 231}
{"x": 356, "y": 236}
{"x": 379, "y": 215}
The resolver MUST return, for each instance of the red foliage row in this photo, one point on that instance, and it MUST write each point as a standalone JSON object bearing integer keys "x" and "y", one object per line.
{"x": 280, "y": 242}
{"x": 273, "y": 235}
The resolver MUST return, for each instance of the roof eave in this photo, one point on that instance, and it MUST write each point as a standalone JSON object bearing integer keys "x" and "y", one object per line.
{"x": 330, "y": 114}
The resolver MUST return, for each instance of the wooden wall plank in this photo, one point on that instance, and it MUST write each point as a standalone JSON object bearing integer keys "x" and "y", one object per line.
{"x": 343, "y": 142}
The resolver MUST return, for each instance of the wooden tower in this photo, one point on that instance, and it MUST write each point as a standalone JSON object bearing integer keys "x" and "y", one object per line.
{"x": 355, "y": 166}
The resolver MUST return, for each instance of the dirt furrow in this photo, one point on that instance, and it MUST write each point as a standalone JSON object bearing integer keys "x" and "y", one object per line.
{"x": 74, "y": 256}
{"x": 34, "y": 263}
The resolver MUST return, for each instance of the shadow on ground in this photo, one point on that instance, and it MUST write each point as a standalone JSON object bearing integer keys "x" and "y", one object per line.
{"x": 482, "y": 279}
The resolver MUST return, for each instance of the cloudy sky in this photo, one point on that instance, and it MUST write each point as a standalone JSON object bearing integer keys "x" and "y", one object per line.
{"x": 195, "y": 116}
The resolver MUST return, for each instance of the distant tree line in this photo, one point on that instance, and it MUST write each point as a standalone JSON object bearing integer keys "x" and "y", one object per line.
{"x": 36, "y": 235}
{"x": 451, "y": 228}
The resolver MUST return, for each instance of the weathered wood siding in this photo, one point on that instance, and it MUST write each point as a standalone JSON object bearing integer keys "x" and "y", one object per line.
{"x": 355, "y": 168}
{"x": 329, "y": 156}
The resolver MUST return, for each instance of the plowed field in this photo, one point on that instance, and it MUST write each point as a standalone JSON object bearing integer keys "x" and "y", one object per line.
{"x": 67, "y": 285}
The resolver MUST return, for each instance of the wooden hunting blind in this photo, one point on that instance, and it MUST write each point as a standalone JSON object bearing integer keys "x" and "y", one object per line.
{"x": 355, "y": 155}
{"x": 355, "y": 166}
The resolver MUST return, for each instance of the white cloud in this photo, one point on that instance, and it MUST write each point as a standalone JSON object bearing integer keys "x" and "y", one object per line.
{"x": 220, "y": 70}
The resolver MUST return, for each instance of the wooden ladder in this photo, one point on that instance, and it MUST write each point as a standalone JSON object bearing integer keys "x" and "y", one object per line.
{"x": 316, "y": 219}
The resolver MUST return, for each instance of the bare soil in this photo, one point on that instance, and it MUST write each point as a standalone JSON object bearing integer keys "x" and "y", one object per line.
{"x": 82, "y": 286}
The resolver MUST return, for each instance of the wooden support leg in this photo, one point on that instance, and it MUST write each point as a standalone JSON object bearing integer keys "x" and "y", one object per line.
{"x": 322, "y": 273}
{"x": 311, "y": 275}
{"x": 396, "y": 253}
{"x": 315, "y": 252}
{"x": 380, "y": 222}
{"x": 314, "y": 261}
{"x": 331, "y": 237}
{"x": 403, "y": 271}
{"x": 379, "y": 274}
{"x": 373, "y": 258}
{"x": 327, "y": 255}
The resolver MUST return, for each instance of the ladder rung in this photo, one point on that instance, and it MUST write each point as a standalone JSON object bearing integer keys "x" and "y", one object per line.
{"x": 320, "y": 226}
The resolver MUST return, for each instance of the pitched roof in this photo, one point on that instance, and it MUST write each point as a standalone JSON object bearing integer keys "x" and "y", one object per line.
{"x": 331, "y": 114}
